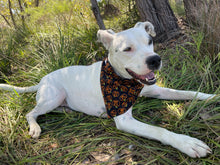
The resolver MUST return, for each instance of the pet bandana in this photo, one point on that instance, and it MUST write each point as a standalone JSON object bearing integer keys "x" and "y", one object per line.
{"x": 119, "y": 94}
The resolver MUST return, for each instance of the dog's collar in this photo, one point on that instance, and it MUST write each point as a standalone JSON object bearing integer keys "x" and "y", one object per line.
{"x": 119, "y": 94}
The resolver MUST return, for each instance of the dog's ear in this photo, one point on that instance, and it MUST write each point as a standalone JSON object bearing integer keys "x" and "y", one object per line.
{"x": 105, "y": 37}
{"x": 147, "y": 26}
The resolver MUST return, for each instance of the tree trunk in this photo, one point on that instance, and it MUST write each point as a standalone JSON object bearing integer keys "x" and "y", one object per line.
{"x": 96, "y": 12}
{"x": 36, "y": 3}
{"x": 199, "y": 10}
{"x": 192, "y": 10}
{"x": 160, "y": 14}
{"x": 204, "y": 16}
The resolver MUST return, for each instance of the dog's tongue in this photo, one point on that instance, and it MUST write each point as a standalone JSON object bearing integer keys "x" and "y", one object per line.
{"x": 149, "y": 76}
{"x": 148, "y": 79}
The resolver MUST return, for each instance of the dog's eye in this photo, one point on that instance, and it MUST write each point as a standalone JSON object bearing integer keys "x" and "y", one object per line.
{"x": 127, "y": 49}
{"x": 150, "y": 41}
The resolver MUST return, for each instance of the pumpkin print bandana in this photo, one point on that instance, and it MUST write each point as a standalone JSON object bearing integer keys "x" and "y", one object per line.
{"x": 119, "y": 94}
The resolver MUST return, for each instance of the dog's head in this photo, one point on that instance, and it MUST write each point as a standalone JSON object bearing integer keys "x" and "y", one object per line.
{"x": 131, "y": 52}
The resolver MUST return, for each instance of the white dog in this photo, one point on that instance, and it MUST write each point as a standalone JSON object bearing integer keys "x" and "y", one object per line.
{"x": 110, "y": 88}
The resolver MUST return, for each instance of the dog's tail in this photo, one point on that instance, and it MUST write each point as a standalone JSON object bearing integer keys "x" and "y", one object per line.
{"x": 19, "y": 89}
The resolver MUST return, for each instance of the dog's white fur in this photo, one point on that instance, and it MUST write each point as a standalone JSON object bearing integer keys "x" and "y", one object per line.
{"x": 78, "y": 87}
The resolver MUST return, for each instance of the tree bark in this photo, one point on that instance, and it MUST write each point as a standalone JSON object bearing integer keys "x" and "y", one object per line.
{"x": 96, "y": 12}
{"x": 204, "y": 16}
{"x": 199, "y": 11}
{"x": 160, "y": 14}
{"x": 36, "y": 3}
{"x": 196, "y": 9}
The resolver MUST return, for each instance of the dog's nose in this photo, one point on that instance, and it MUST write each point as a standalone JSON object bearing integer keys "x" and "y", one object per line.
{"x": 153, "y": 62}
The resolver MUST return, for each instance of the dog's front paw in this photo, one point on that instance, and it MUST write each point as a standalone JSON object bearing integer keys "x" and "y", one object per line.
{"x": 35, "y": 130}
{"x": 191, "y": 146}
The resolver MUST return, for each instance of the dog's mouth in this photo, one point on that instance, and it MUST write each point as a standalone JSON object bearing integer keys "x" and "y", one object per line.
{"x": 148, "y": 79}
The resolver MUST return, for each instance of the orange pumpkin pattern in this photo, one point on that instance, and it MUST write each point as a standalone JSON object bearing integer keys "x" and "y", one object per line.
{"x": 119, "y": 94}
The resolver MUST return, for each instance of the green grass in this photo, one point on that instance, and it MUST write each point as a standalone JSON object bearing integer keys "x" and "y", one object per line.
{"x": 79, "y": 139}
{"x": 49, "y": 43}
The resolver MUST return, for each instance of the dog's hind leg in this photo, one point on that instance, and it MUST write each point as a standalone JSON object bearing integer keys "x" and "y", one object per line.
{"x": 48, "y": 98}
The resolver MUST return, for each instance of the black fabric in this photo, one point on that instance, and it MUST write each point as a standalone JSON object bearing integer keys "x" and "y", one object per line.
{"x": 119, "y": 94}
